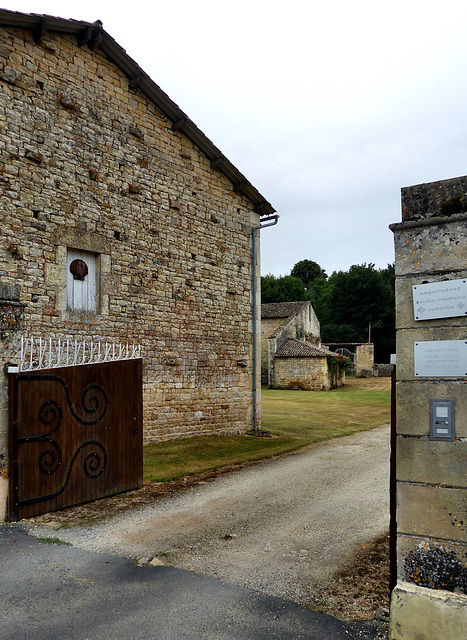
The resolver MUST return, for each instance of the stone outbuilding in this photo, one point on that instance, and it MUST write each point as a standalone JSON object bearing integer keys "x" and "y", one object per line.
{"x": 122, "y": 223}
{"x": 305, "y": 366}
{"x": 291, "y": 351}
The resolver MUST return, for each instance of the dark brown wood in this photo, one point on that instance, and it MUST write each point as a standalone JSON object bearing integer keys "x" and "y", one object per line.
{"x": 40, "y": 31}
{"x": 217, "y": 162}
{"x": 239, "y": 186}
{"x": 76, "y": 435}
{"x": 134, "y": 82}
{"x": 91, "y": 35}
{"x": 178, "y": 124}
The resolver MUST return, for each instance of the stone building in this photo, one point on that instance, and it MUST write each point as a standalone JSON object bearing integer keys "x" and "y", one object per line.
{"x": 291, "y": 352}
{"x": 430, "y": 599}
{"x": 305, "y": 366}
{"x": 99, "y": 167}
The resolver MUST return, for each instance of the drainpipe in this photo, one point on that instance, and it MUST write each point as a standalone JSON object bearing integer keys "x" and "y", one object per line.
{"x": 270, "y": 221}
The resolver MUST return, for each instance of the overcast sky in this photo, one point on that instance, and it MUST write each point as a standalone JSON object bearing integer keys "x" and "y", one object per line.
{"x": 327, "y": 108}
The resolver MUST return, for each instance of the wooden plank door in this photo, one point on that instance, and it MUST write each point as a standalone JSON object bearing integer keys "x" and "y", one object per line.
{"x": 75, "y": 435}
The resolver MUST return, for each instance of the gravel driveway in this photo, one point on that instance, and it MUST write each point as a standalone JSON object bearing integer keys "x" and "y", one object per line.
{"x": 281, "y": 527}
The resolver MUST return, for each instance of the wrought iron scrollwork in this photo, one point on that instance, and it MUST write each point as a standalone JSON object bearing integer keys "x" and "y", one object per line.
{"x": 96, "y": 461}
{"x": 51, "y": 458}
{"x": 50, "y": 413}
{"x": 94, "y": 405}
{"x": 94, "y": 400}
{"x": 94, "y": 465}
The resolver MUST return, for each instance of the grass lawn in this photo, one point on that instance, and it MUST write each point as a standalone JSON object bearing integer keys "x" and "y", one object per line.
{"x": 294, "y": 418}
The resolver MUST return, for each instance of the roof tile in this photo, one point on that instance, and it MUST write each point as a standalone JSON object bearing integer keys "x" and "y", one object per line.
{"x": 282, "y": 309}
{"x": 296, "y": 349}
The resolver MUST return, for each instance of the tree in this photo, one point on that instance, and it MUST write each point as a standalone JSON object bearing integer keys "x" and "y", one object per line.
{"x": 281, "y": 289}
{"x": 358, "y": 297}
{"x": 318, "y": 293}
{"x": 307, "y": 271}
{"x": 345, "y": 303}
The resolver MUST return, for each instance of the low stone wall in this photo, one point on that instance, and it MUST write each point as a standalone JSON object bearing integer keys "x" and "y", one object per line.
{"x": 377, "y": 371}
{"x": 384, "y": 370}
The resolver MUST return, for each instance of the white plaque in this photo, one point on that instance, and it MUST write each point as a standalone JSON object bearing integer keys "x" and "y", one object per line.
{"x": 446, "y": 299}
{"x": 440, "y": 359}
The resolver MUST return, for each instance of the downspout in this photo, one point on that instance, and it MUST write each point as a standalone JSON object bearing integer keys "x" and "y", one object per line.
{"x": 270, "y": 221}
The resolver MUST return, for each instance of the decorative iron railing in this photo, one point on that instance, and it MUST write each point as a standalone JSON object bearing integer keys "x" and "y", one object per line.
{"x": 40, "y": 353}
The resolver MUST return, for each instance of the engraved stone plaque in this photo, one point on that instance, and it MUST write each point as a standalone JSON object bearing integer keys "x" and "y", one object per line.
{"x": 446, "y": 299}
{"x": 440, "y": 359}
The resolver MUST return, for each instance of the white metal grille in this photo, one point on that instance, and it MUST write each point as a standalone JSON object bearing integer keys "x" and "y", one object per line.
{"x": 40, "y": 353}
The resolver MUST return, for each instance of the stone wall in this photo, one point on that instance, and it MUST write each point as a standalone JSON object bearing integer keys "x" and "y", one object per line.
{"x": 365, "y": 359}
{"x": 269, "y": 326}
{"x": 430, "y": 600}
{"x": 310, "y": 374}
{"x": 303, "y": 324}
{"x": 89, "y": 164}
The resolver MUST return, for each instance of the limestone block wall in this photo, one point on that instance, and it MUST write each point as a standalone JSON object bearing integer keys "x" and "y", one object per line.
{"x": 276, "y": 331}
{"x": 303, "y": 324}
{"x": 365, "y": 358}
{"x": 431, "y": 514}
{"x": 89, "y": 164}
{"x": 310, "y": 374}
{"x": 269, "y": 326}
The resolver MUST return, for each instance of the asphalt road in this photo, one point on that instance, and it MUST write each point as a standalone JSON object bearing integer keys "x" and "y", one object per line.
{"x": 53, "y": 592}
{"x": 280, "y": 528}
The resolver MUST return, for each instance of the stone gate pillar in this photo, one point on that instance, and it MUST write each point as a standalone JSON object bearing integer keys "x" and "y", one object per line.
{"x": 430, "y": 599}
{"x": 365, "y": 359}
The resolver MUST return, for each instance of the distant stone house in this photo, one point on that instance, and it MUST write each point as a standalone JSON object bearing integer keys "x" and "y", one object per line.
{"x": 305, "y": 366}
{"x": 291, "y": 351}
{"x": 100, "y": 168}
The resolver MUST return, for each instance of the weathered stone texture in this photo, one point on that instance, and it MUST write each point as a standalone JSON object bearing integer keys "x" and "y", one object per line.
{"x": 88, "y": 164}
{"x": 404, "y": 312}
{"x": 431, "y": 475}
{"x": 365, "y": 358}
{"x": 434, "y": 199}
{"x": 422, "y": 460}
{"x": 426, "y": 616}
{"x": 310, "y": 374}
{"x": 413, "y": 405}
{"x": 438, "y": 512}
{"x": 405, "y": 345}
{"x": 422, "y": 250}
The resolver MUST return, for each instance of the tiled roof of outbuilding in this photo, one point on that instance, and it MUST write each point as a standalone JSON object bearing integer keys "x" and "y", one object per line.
{"x": 282, "y": 309}
{"x": 296, "y": 349}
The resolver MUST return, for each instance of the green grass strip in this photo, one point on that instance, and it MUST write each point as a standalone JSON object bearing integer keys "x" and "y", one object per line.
{"x": 54, "y": 541}
{"x": 295, "y": 419}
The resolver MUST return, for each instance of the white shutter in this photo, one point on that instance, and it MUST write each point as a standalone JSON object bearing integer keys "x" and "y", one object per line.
{"x": 81, "y": 294}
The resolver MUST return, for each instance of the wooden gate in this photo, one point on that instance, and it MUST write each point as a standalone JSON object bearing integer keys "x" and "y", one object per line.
{"x": 75, "y": 435}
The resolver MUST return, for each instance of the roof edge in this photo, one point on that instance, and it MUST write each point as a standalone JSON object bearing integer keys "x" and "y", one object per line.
{"x": 135, "y": 74}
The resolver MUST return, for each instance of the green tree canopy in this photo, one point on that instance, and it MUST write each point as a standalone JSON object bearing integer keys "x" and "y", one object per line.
{"x": 358, "y": 297}
{"x": 345, "y": 303}
{"x": 281, "y": 289}
{"x": 307, "y": 271}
